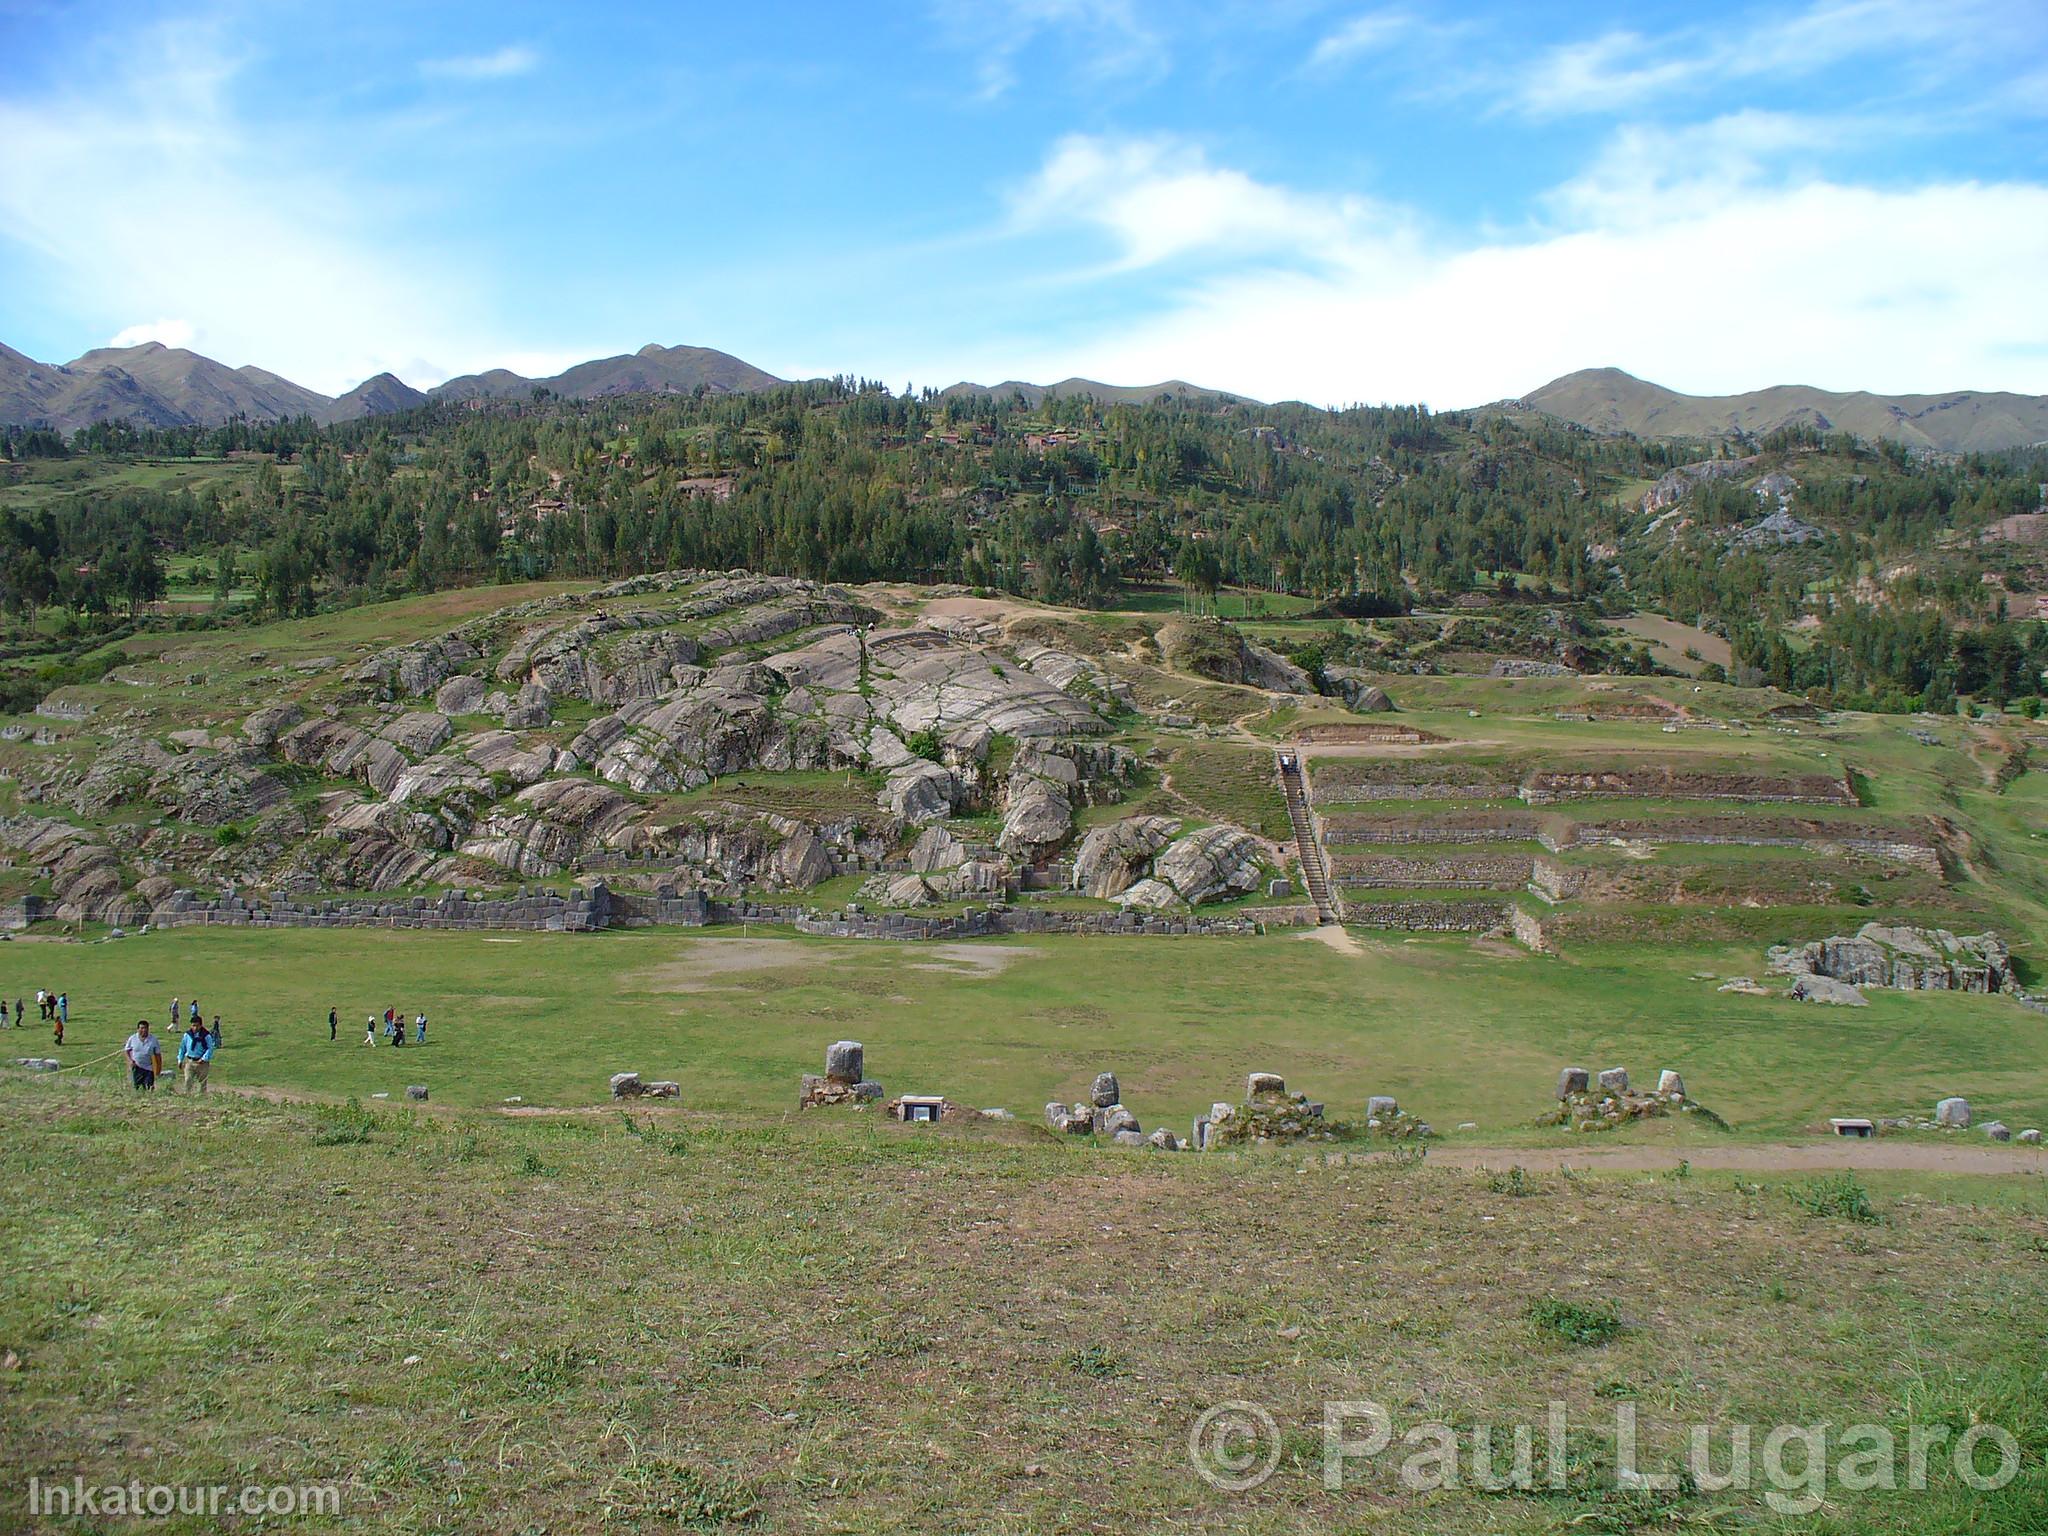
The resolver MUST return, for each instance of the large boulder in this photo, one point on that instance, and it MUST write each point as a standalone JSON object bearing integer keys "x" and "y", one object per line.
{"x": 1109, "y": 858}
{"x": 1214, "y": 863}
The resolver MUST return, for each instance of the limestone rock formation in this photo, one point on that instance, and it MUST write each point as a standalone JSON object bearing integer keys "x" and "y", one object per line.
{"x": 1214, "y": 863}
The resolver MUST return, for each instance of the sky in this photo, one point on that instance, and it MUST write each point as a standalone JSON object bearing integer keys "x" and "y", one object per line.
{"x": 1338, "y": 203}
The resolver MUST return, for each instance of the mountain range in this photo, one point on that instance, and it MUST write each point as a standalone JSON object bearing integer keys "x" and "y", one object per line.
{"x": 159, "y": 386}
{"x": 1962, "y": 421}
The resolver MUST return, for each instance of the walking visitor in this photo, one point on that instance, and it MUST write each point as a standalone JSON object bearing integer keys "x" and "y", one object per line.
{"x": 145, "y": 1057}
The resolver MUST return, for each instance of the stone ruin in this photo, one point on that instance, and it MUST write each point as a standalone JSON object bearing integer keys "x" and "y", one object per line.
{"x": 1905, "y": 959}
{"x": 627, "y": 1085}
{"x": 1587, "y": 1102}
{"x": 1103, "y": 1113}
{"x": 1954, "y": 1114}
{"x": 844, "y": 1081}
{"x": 1268, "y": 1115}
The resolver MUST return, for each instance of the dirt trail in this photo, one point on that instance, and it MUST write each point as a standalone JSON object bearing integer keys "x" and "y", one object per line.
{"x": 1887, "y": 1154}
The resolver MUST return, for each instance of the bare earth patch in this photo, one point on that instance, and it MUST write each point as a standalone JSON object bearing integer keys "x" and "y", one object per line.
{"x": 1885, "y": 1154}
{"x": 1335, "y": 937}
{"x": 971, "y": 959}
{"x": 708, "y": 959}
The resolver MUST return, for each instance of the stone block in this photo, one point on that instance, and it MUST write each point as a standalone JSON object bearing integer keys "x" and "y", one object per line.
{"x": 1952, "y": 1112}
{"x": 1573, "y": 1080}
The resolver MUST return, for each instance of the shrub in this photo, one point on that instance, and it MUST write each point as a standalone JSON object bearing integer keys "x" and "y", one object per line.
{"x": 1834, "y": 1194}
{"x": 1573, "y": 1322}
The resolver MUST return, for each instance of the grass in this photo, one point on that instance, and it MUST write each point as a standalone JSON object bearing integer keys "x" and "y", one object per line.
{"x": 1458, "y": 1030}
{"x": 829, "y": 1322}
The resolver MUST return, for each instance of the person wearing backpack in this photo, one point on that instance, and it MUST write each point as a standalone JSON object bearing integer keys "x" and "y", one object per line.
{"x": 195, "y": 1057}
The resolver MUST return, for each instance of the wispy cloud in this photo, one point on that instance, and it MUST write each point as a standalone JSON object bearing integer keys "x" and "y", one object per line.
{"x": 1097, "y": 40}
{"x": 143, "y": 190}
{"x": 512, "y": 60}
{"x": 1620, "y": 70}
{"x": 1364, "y": 34}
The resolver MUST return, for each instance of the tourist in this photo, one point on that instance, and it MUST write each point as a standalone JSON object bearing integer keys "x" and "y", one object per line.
{"x": 57, "y": 1029}
{"x": 333, "y": 1024}
{"x": 175, "y": 1014}
{"x": 195, "y": 1011}
{"x": 420, "y": 1030}
{"x": 3, "y": 1012}
{"x": 63, "y": 1008}
{"x": 195, "y": 1057}
{"x": 145, "y": 1057}
{"x": 216, "y": 1029}
{"x": 370, "y": 1031}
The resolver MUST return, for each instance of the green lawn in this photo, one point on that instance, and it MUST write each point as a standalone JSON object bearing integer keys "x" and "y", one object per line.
{"x": 469, "y": 1323}
{"x": 1460, "y": 1031}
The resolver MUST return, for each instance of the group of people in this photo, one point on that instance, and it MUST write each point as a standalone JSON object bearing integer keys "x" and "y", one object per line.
{"x": 54, "y": 1008}
{"x": 196, "y": 1046}
{"x": 393, "y": 1027}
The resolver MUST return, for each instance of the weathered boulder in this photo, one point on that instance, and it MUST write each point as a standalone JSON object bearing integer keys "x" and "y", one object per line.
{"x": 1164, "y": 1140}
{"x": 1380, "y": 1105}
{"x": 1997, "y": 1131}
{"x": 1257, "y": 1083}
{"x": 920, "y": 792}
{"x": 1909, "y": 959}
{"x": 2030, "y": 1137}
{"x": 1669, "y": 1082}
{"x": 1573, "y": 1080}
{"x": 1128, "y": 1138}
{"x": 936, "y": 849}
{"x": 419, "y": 1091}
{"x": 1211, "y": 864}
{"x": 532, "y": 708}
{"x": 1357, "y": 690}
{"x": 1105, "y": 1091}
{"x": 1615, "y": 1080}
{"x": 1114, "y": 1121}
{"x": 462, "y": 695}
{"x": 1952, "y": 1112}
{"x": 1109, "y": 858}
{"x": 1825, "y": 989}
{"x": 846, "y": 1060}
{"x": 271, "y": 722}
{"x": 803, "y": 860}
{"x": 419, "y": 732}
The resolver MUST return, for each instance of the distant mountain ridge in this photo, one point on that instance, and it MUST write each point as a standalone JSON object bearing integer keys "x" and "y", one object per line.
{"x": 654, "y": 369}
{"x": 1961, "y": 421}
{"x": 154, "y": 385}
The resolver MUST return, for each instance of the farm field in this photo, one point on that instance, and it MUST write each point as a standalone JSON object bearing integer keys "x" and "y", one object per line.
{"x": 1460, "y": 1030}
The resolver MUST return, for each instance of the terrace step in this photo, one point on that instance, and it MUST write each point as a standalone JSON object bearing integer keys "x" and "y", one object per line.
{"x": 1314, "y": 874}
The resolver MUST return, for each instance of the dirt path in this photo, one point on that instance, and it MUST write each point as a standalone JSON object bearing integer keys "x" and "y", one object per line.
{"x": 1887, "y": 1154}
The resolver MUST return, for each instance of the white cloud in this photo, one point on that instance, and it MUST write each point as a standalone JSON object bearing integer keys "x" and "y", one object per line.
{"x": 1161, "y": 198}
{"x": 1711, "y": 287}
{"x": 172, "y": 333}
{"x": 1622, "y": 69}
{"x": 1105, "y": 39}
{"x": 503, "y": 64}
{"x": 143, "y": 191}
{"x": 1363, "y": 34}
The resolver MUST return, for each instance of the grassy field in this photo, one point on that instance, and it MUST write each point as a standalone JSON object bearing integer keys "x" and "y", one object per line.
{"x": 464, "y": 1322}
{"x": 1459, "y": 1030}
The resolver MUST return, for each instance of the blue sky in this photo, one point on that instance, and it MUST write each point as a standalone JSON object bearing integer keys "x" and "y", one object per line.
{"x": 1328, "y": 201}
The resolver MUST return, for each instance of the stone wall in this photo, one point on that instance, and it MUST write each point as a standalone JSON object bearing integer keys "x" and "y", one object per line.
{"x": 597, "y": 907}
{"x": 1430, "y": 916}
{"x": 1475, "y": 827}
{"x": 1471, "y": 871}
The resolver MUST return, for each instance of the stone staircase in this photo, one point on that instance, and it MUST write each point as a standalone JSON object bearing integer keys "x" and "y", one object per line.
{"x": 1314, "y": 873}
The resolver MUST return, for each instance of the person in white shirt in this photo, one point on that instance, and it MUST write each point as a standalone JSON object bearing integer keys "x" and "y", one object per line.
{"x": 145, "y": 1057}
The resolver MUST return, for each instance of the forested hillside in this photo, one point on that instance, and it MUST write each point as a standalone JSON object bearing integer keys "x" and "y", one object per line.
{"x": 1868, "y": 574}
